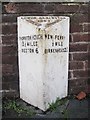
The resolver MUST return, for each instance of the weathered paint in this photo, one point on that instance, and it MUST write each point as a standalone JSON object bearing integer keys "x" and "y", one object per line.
{"x": 43, "y": 62}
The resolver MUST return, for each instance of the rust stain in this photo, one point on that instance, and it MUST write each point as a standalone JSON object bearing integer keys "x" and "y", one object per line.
{"x": 46, "y": 43}
{"x": 40, "y": 42}
{"x": 43, "y": 28}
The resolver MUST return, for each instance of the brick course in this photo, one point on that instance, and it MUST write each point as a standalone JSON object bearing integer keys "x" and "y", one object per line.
{"x": 9, "y": 40}
{"x": 81, "y": 37}
{"x": 79, "y": 66}
{"x": 9, "y": 29}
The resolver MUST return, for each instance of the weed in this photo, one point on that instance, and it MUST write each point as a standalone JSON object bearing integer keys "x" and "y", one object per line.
{"x": 58, "y": 102}
{"x": 12, "y": 104}
{"x": 66, "y": 114}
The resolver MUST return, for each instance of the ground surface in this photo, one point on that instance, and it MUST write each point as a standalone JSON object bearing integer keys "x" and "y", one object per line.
{"x": 65, "y": 108}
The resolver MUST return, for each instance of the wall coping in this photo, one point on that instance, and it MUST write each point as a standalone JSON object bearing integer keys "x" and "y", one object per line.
{"x": 44, "y": 0}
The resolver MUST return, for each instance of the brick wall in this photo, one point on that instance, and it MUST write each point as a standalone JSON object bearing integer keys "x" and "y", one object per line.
{"x": 79, "y": 41}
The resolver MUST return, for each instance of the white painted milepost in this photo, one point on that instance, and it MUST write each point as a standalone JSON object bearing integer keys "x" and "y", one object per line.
{"x": 43, "y": 52}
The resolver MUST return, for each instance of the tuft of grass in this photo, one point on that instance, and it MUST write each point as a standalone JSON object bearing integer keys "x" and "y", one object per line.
{"x": 58, "y": 102}
{"x": 12, "y": 105}
{"x": 66, "y": 114}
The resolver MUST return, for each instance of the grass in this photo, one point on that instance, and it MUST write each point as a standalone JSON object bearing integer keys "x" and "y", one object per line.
{"x": 58, "y": 102}
{"x": 53, "y": 106}
{"x": 13, "y": 105}
{"x": 66, "y": 114}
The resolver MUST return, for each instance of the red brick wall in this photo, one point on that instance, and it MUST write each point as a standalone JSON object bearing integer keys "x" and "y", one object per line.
{"x": 79, "y": 41}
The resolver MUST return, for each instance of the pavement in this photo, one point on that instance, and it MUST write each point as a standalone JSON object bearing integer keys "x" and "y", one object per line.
{"x": 75, "y": 109}
{"x": 72, "y": 108}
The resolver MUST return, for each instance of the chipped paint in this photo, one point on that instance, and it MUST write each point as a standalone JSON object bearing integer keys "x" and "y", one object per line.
{"x": 43, "y": 45}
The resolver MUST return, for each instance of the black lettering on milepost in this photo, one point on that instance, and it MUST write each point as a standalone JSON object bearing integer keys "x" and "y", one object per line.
{"x": 27, "y": 50}
{"x": 37, "y": 51}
